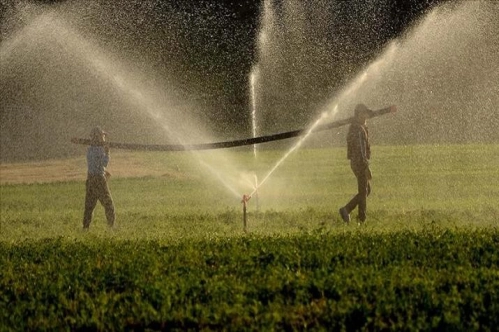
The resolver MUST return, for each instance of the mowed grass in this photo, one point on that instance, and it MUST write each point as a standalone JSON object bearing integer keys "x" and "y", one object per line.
{"x": 426, "y": 259}
{"x": 176, "y": 197}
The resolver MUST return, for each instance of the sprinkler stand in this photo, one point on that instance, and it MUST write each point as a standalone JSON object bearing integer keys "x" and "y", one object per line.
{"x": 245, "y": 199}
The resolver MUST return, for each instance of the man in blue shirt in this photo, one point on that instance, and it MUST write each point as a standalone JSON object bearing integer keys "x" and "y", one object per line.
{"x": 96, "y": 184}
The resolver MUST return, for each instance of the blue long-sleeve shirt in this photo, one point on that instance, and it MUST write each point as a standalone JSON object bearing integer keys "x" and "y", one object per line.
{"x": 97, "y": 160}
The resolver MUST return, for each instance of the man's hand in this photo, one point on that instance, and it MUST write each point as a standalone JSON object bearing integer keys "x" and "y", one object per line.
{"x": 368, "y": 169}
{"x": 106, "y": 149}
{"x": 369, "y": 174}
{"x": 393, "y": 109}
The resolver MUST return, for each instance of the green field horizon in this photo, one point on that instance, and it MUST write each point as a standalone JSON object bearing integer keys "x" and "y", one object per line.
{"x": 156, "y": 192}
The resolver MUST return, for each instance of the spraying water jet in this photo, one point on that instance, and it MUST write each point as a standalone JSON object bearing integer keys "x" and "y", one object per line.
{"x": 253, "y": 82}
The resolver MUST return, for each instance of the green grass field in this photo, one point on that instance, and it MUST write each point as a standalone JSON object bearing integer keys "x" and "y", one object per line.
{"x": 427, "y": 258}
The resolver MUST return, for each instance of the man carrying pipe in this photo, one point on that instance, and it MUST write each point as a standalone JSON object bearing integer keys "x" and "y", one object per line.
{"x": 96, "y": 187}
{"x": 359, "y": 154}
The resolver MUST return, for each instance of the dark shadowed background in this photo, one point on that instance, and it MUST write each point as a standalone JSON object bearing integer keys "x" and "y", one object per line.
{"x": 205, "y": 49}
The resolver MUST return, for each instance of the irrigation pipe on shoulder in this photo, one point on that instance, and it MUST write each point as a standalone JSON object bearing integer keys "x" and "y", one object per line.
{"x": 229, "y": 144}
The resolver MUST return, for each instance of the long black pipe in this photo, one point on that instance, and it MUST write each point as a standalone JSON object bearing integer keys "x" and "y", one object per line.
{"x": 230, "y": 144}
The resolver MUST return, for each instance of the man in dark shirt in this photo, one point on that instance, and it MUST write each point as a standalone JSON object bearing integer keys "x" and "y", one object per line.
{"x": 359, "y": 153}
{"x": 96, "y": 184}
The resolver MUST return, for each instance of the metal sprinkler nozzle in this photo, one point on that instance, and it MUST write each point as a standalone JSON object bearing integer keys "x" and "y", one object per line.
{"x": 245, "y": 199}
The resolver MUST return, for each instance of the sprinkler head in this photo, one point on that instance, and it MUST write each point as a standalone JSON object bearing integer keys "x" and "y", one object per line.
{"x": 245, "y": 199}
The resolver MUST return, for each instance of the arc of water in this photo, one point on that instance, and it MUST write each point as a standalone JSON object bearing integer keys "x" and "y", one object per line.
{"x": 104, "y": 68}
{"x": 288, "y": 153}
{"x": 253, "y": 82}
{"x": 355, "y": 84}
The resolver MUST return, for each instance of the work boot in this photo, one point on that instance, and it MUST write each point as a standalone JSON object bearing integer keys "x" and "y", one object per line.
{"x": 344, "y": 215}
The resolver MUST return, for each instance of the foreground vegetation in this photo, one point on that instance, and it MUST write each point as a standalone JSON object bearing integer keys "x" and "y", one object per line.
{"x": 434, "y": 279}
{"x": 427, "y": 258}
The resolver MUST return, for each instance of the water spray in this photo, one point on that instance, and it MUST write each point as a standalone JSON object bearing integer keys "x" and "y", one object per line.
{"x": 256, "y": 193}
{"x": 253, "y": 80}
{"x": 249, "y": 141}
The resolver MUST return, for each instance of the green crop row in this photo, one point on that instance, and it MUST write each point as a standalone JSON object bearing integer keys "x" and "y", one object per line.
{"x": 412, "y": 280}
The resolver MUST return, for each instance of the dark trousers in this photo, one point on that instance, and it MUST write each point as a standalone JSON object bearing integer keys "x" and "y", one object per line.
{"x": 363, "y": 175}
{"x": 97, "y": 190}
